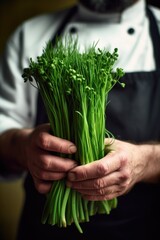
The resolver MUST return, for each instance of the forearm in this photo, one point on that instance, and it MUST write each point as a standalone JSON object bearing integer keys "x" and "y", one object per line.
{"x": 12, "y": 150}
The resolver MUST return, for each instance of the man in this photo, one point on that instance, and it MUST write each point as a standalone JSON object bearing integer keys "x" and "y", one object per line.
{"x": 132, "y": 171}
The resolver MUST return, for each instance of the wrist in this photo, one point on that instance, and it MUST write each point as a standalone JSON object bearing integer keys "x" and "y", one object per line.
{"x": 150, "y": 154}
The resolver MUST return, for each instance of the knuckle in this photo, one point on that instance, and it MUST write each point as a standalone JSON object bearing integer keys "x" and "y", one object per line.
{"x": 102, "y": 191}
{"x": 123, "y": 160}
{"x": 44, "y": 162}
{"x": 43, "y": 175}
{"x": 43, "y": 140}
{"x": 83, "y": 175}
{"x": 42, "y": 187}
{"x": 124, "y": 185}
{"x": 124, "y": 176}
{"x": 38, "y": 175}
{"x": 124, "y": 180}
{"x": 60, "y": 149}
{"x": 102, "y": 169}
{"x": 98, "y": 184}
{"x": 121, "y": 187}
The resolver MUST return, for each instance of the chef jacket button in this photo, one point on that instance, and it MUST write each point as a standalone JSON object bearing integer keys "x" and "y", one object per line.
{"x": 131, "y": 31}
{"x": 73, "y": 30}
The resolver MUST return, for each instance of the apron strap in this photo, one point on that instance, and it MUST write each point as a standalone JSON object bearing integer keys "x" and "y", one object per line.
{"x": 155, "y": 35}
{"x": 65, "y": 20}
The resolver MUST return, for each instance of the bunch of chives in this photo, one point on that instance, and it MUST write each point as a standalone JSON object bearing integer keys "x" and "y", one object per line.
{"x": 74, "y": 87}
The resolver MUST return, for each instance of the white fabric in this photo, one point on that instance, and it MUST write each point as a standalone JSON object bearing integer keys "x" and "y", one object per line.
{"x": 18, "y": 99}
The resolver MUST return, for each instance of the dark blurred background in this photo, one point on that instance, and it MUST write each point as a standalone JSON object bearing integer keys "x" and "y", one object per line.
{"x": 12, "y": 13}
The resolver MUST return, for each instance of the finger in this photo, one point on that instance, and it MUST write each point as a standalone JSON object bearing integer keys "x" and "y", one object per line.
{"x": 109, "y": 141}
{"x": 49, "y": 162}
{"x": 48, "y": 176}
{"x": 48, "y": 142}
{"x": 102, "y": 192}
{"x": 96, "y": 169}
{"x": 115, "y": 178}
{"x": 108, "y": 194}
{"x": 102, "y": 198}
{"x": 109, "y": 145}
{"x": 42, "y": 187}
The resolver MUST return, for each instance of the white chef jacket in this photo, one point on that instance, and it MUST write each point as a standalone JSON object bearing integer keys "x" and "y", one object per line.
{"x": 128, "y": 31}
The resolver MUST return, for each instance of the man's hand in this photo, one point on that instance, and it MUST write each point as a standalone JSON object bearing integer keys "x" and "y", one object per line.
{"x": 42, "y": 162}
{"x": 35, "y": 150}
{"x": 116, "y": 173}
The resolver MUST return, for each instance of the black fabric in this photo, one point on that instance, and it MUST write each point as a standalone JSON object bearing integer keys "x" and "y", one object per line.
{"x": 136, "y": 217}
{"x": 133, "y": 114}
{"x": 155, "y": 35}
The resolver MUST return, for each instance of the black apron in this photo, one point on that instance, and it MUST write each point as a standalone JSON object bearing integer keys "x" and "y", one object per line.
{"x": 133, "y": 114}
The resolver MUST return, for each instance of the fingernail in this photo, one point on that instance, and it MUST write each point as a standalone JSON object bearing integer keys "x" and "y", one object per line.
{"x": 72, "y": 149}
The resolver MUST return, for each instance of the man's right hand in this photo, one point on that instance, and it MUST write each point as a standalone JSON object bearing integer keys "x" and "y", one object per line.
{"x": 35, "y": 150}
